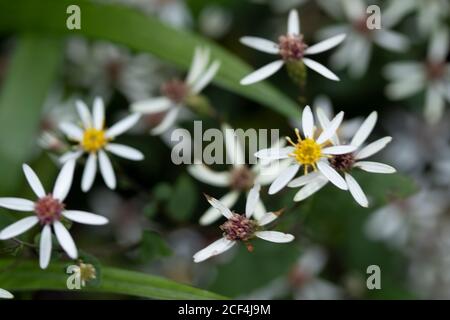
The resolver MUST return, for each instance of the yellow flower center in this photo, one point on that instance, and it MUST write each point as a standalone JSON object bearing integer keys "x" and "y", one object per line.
{"x": 307, "y": 151}
{"x": 93, "y": 140}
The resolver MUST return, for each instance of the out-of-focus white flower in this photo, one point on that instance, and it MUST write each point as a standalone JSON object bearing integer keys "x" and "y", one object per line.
{"x": 215, "y": 21}
{"x": 180, "y": 93}
{"x": 240, "y": 178}
{"x": 241, "y": 227}
{"x": 404, "y": 222}
{"x": 310, "y": 152}
{"x": 281, "y": 6}
{"x": 101, "y": 67}
{"x": 430, "y": 14}
{"x": 94, "y": 139}
{"x": 344, "y": 163}
{"x": 49, "y": 210}
{"x": 292, "y": 49}
{"x": 409, "y": 77}
{"x": 356, "y": 52}
{"x": 5, "y": 294}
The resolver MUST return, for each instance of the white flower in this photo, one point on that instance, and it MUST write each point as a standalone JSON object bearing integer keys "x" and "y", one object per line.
{"x": 94, "y": 139}
{"x": 356, "y": 52}
{"x": 178, "y": 93}
{"x": 240, "y": 178}
{"x": 49, "y": 210}
{"x": 433, "y": 76}
{"x": 430, "y": 14}
{"x": 241, "y": 227}
{"x": 292, "y": 49}
{"x": 5, "y": 294}
{"x": 344, "y": 163}
{"x": 310, "y": 152}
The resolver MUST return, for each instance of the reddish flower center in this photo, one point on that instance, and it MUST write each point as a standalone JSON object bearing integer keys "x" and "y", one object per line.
{"x": 292, "y": 47}
{"x": 48, "y": 209}
{"x": 360, "y": 26}
{"x": 239, "y": 227}
{"x": 242, "y": 178}
{"x": 343, "y": 162}
{"x": 435, "y": 71}
{"x": 175, "y": 89}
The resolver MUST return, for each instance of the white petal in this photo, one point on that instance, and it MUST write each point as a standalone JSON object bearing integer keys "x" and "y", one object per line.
{"x": 275, "y": 236}
{"x": 206, "y": 78}
{"x": 325, "y": 44}
{"x": 18, "y": 227}
{"x": 405, "y": 87}
{"x": 252, "y": 200}
{"x": 338, "y": 149}
{"x": 374, "y": 167}
{"x": 293, "y": 23}
{"x": 235, "y": 151}
{"x": 263, "y": 72}
{"x": 85, "y": 217}
{"x": 34, "y": 181}
{"x": 332, "y": 175}
{"x": 107, "y": 170}
{"x": 45, "y": 247}
{"x": 325, "y": 123}
{"x": 438, "y": 48}
{"x": 64, "y": 181}
{"x": 72, "y": 131}
{"x": 391, "y": 40}
{"x": 373, "y": 148}
{"x": 434, "y": 105}
{"x": 99, "y": 113}
{"x": 167, "y": 122}
{"x": 260, "y": 210}
{"x": 71, "y": 155}
{"x": 284, "y": 178}
{"x": 17, "y": 204}
{"x": 356, "y": 191}
{"x": 268, "y": 218}
{"x": 198, "y": 64}
{"x": 310, "y": 189}
{"x": 65, "y": 240}
{"x": 266, "y": 174}
{"x": 212, "y": 214}
{"x": 214, "y": 249}
{"x": 122, "y": 126}
{"x": 223, "y": 209}
{"x": 125, "y": 151}
{"x": 364, "y": 130}
{"x": 304, "y": 180}
{"x": 84, "y": 114}
{"x": 89, "y": 172}
{"x": 320, "y": 68}
{"x": 153, "y": 105}
{"x": 274, "y": 153}
{"x": 261, "y": 44}
{"x": 5, "y": 294}
{"x": 208, "y": 176}
{"x": 330, "y": 130}
{"x": 308, "y": 122}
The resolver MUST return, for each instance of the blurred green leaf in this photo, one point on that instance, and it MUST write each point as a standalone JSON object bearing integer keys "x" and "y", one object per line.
{"x": 153, "y": 246}
{"x": 30, "y": 74}
{"x": 142, "y": 33}
{"x": 26, "y": 275}
{"x": 183, "y": 199}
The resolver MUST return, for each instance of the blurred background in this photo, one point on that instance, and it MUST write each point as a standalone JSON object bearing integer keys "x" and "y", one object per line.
{"x": 155, "y": 210}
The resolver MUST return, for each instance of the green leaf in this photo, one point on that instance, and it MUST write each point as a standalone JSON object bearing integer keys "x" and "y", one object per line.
{"x": 30, "y": 75}
{"x": 153, "y": 246}
{"x": 139, "y": 32}
{"x": 184, "y": 199}
{"x": 26, "y": 276}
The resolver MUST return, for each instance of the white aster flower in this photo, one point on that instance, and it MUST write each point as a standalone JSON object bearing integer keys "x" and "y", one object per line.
{"x": 356, "y": 52}
{"x": 5, "y": 294}
{"x": 344, "y": 163}
{"x": 241, "y": 227}
{"x": 309, "y": 152}
{"x": 292, "y": 49}
{"x": 49, "y": 209}
{"x": 180, "y": 93}
{"x": 94, "y": 139}
{"x": 433, "y": 76}
{"x": 240, "y": 178}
